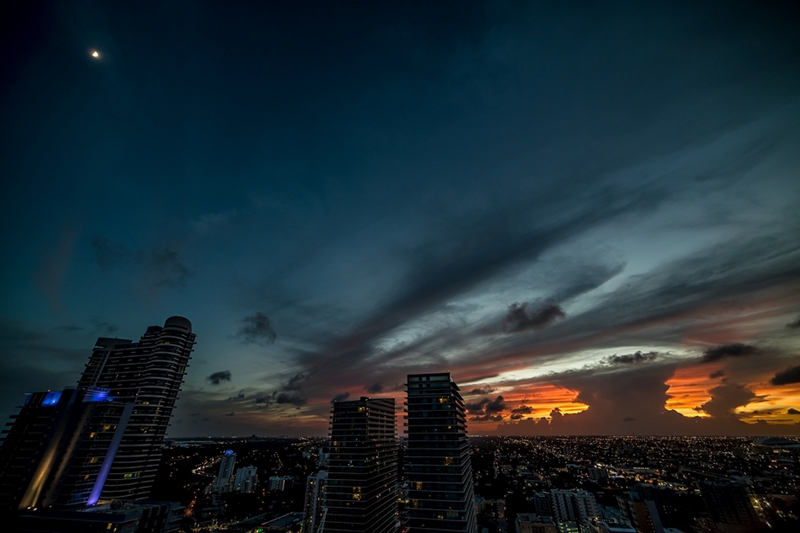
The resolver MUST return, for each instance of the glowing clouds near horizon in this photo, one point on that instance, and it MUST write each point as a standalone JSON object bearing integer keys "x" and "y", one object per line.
{"x": 690, "y": 388}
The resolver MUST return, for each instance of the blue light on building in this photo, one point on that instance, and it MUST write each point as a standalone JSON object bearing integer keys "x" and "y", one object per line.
{"x": 96, "y": 395}
{"x": 51, "y": 398}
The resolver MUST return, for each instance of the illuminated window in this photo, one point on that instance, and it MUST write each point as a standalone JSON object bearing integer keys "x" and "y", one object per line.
{"x": 418, "y": 485}
{"x": 448, "y": 460}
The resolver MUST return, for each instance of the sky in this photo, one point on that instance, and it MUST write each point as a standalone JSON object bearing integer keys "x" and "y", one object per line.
{"x": 586, "y": 212}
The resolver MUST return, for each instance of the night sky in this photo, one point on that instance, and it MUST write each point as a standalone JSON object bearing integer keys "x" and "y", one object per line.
{"x": 586, "y": 212}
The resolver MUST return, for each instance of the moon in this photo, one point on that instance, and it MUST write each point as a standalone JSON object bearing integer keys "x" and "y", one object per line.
{"x": 95, "y": 54}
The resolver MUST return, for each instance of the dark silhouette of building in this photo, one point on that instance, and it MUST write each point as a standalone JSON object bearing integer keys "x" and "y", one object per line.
{"x": 361, "y": 491}
{"x": 149, "y": 374}
{"x": 438, "y": 467}
{"x": 60, "y": 448}
{"x": 729, "y": 505}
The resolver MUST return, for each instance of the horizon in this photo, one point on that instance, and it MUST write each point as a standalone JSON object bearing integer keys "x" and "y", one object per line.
{"x": 587, "y": 214}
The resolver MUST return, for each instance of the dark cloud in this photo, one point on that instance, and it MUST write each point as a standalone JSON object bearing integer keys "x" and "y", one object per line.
{"x": 786, "y": 377}
{"x": 104, "y": 327}
{"x": 516, "y": 416}
{"x": 728, "y": 350}
{"x": 522, "y": 409}
{"x": 631, "y": 359}
{"x": 629, "y": 419}
{"x": 718, "y": 374}
{"x": 795, "y": 324}
{"x": 295, "y": 382}
{"x": 236, "y": 398}
{"x": 487, "y": 406}
{"x": 165, "y": 269}
{"x": 230, "y": 414}
{"x": 792, "y": 411}
{"x": 482, "y": 391}
{"x": 487, "y": 418}
{"x": 518, "y": 318}
{"x": 257, "y": 329}
{"x": 159, "y": 267}
{"x": 292, "y": 399}
{"x": 218, "y": 377}
{"x": 340, "y": 397}
{"x": 375, "y": 388}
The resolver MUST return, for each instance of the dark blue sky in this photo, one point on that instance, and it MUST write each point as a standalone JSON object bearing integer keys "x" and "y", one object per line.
{"x": 338, "y": 194}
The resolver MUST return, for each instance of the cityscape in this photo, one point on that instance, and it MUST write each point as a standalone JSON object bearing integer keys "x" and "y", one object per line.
{"x": 94, "y": 458}
{"x": 408, "y": 266}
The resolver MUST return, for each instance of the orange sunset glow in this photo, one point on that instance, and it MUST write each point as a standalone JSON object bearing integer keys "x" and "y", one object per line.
{"x": 689, "y": 389}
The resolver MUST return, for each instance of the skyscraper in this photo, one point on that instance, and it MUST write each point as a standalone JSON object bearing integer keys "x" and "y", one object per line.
{"x": 314, "y": 502}
{"x": 361, "y": 492}
{"x": 222, "y": 483}
{"x": 149, "y": 374}
{"x": 438, "y": 468}
{"x": 60, "y": 448}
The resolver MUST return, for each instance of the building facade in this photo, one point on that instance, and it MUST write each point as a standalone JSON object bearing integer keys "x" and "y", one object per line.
{"x": 437, "y": 460}
{"x": 361, "y": 491}
{"x": 60, "y": 448}
{"x": 314, "y": 502}
{"x": 148, "y": 374}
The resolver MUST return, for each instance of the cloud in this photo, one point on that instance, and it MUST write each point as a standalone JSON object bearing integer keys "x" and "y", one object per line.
{"x": 728, "y": 350}
{"x": 718, "y": 374}
{"x": 230, "y": 414}
{"x": 218, "y": 377}
{"x": 158, "y": 267}
{"x": 292, "y": 399}
{"x": 795, "y": 324}
{"x": 375, "y": 388}
{"x": 236, "y": 398}
{"x": 340, "y": 397}
{"x": 295, "y": 382}
{"x": 257, "y": 329}
{"x": 631, "y": 359}
{"x": 518, "y": 318}
{"x": 487, "y": 406}
{"x": 482, "y": 391}
{"x": 523, "y": 409}
{"x": 786, "y": 377}
{"x": 792, "y": 411}
{"x": 629, "y": 419}
{"x": 487, "y": 418}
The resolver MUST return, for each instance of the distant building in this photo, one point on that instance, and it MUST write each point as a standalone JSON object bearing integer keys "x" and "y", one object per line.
{"x": 223, "y": 482}
{"x": 574, "y": 505}
{"x": 438, "y": 465}
{"x": 60, "y": 448}
{"x": 314, "y": 502}
{"x": 361, "y": 491}
{"x": 533, "y": 523}
{"x": 729, "y": 505}
{"x": 543, "y": 503}
{"x": 246, "y": 479}
{"x": 280, "y": 483}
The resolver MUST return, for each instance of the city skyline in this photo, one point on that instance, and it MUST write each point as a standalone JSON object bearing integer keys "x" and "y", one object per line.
{"x": 586, "y": 214}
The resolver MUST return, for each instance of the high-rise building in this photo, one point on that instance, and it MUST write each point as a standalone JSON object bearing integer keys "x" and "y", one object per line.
{"x": 438, "y": 467}
{"x": 246, "y": 479}
{"x": 60, "y": 448}
{"x": 315, "y": 500}
{"x": 222, "y": 483}
{"x": 574, "y": 505}
{"x": 148, "y": 374}
{"x": 729, "y": 505}
{"x": 361, "y": 492}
